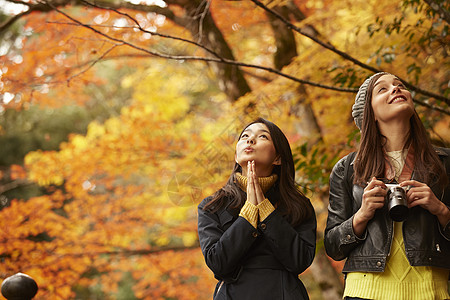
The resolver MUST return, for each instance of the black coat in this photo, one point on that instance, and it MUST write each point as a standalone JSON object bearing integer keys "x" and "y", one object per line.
{"x": 261, "y": 263}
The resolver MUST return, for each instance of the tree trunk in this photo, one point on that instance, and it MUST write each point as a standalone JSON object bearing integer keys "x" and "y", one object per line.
{"x": 306, "y": 125}
{"x": 326, "y": 276}
{"x": 284, "y": 38}
{"x": 323, "y": 272}
{"x": 204, "y": 30}
{"x": 286, "y": 50}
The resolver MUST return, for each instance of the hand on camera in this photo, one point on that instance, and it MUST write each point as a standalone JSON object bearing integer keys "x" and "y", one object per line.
{"x": 373, "y": 198}
{"x": 421, "y": 194}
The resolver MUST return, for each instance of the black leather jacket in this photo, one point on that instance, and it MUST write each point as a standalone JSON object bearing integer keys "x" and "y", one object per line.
{"x": 427, "y": 243}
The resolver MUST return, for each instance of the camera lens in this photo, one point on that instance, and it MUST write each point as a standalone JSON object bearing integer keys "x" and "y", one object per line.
{"x": 397, "y": 204}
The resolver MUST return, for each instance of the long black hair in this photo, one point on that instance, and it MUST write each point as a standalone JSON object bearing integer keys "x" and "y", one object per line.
{"x": 295, "y": 206}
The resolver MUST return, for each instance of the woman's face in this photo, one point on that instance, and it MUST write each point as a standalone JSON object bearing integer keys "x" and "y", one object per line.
{"x": 255, "y": 143}
{"x": 391, "y": 101}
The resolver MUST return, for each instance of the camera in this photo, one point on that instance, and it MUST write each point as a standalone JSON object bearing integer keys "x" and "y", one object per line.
{"x": 397, "y": 203}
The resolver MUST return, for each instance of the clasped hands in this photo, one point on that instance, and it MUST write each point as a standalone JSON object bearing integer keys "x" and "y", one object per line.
{"x": 255, "y": 194}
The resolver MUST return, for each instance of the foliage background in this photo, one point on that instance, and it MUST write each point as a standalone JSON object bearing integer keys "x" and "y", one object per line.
{"x": 112, "y": 131}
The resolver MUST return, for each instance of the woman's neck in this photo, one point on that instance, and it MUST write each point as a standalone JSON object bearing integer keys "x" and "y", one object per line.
{"x": 396, "y": 135}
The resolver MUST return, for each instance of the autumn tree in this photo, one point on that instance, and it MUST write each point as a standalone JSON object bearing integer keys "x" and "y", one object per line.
{"x": 115, "y": 215}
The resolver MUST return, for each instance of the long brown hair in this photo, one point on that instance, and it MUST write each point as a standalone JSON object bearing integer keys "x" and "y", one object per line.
{"x": 295, "y": 206}
{"x": 370, "y": 159}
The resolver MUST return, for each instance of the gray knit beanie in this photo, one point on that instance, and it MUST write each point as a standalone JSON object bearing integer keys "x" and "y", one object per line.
{"x": 360, "y": 101}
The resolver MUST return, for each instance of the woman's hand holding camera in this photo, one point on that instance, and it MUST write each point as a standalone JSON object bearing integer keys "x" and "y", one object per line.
{"x": 373, "y": 199}
{"x": 421, "y": 194}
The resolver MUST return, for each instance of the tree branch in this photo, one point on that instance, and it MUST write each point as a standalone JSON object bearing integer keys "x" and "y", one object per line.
{"x": 138, "y": 26}
{"x": 114, "y": 5}
{"x": 47, "y": 6}
{"x": 198, "y": 58}
{"x": 219, "y": 59}
{"x": 315, "y": 39}
{"x": 443, "y": 12}
{"x": 40, "y": 7}
{"x": 345, "y": 55}
{"x": 5, "y": 25}
{"x": 20, "y": 2}
{"x": 92, "y": 64}
{"x": 13, "y": 184}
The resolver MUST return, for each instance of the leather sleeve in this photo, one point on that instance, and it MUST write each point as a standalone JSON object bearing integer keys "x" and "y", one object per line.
{"x": 293, "y": 247}
{"x": 224, "y": 249}
{"x": 339, "y": 238}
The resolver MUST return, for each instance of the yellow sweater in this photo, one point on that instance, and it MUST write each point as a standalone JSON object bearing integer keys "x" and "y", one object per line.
{"x": 400, "y": 280}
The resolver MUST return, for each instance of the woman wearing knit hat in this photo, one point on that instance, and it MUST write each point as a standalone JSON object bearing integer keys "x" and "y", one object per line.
{"x": 389, "y": 202}
{"x": 258, "y": 232}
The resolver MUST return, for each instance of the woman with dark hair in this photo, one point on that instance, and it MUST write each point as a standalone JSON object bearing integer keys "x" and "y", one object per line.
{"x": 388, "y": 213}
{"x": 258, "y": 232}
